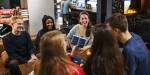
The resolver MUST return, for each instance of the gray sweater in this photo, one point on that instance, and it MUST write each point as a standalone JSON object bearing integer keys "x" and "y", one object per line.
{"x": 75, "y": 31}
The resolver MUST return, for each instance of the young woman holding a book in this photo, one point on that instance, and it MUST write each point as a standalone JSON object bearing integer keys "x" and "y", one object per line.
{"x": 80, "y": 35}
{"x": 83, "y": 29}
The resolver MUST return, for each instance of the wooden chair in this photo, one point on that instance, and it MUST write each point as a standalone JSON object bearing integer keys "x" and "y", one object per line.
{"x": 4, "y": 56}
{"x": 3, "y": 59}
{"x": 3, "y": 70}
{"x": 25, "y": 68}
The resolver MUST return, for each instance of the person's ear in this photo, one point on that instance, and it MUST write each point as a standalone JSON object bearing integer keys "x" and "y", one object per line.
{"x": 116, "y": 30}
{"x": 12, "y": 24}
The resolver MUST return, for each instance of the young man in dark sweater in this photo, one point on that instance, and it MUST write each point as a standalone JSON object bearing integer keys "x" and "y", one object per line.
{"x": 135, "y": 52}
{"x": 18, "y": 46}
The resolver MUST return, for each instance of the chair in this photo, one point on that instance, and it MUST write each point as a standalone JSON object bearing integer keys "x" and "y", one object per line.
{"x": 25, "y": 68}
{"x": 4, "y": 56}
{"x": 3, "y": 60}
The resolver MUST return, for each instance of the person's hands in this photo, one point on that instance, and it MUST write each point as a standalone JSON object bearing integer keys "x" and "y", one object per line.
{"x": 86, "y": 52}
{"x": 33, "y": 59}
{"x": 75, "y": 51}
{"x": 86, "y": 47}
{"x": 79, "y": 51}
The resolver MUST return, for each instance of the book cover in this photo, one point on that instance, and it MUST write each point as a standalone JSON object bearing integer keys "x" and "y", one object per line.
{"x": 78, "y": 41}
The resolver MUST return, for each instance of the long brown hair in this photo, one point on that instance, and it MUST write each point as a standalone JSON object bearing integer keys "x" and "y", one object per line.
{"x": 106, "y": 58}
{"x": 53, "y": 56}
{"x": 88, "y": 30}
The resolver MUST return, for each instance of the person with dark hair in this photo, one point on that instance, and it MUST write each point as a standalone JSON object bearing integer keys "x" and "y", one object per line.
{"x": 135, "y": 52}
{"x": 18, "y": 46}
{"x": 48, "y": 25}
{"x": 106, "y": 58}
{"x": 54, "y": 60}
{"x": 83, "y": 29}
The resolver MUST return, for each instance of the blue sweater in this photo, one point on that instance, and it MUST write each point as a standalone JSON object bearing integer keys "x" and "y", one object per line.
{"x": 137, "y": 56}
{"x": 18, "y": 47}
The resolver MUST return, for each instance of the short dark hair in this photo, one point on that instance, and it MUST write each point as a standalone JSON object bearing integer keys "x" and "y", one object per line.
{"x": 119, "y": 21}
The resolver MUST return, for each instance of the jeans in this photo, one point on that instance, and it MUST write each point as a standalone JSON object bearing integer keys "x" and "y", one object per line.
{"x": 13, "y": 66}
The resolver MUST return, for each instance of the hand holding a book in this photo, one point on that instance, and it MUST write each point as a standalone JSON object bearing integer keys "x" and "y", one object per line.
{"x": 75, "y": 51}
{"x": 86, "y": 50}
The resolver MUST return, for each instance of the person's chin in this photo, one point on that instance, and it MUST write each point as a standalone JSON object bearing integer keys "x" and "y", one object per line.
{"x": 85, "y": 25}
{"x": 19, "y": 33}
{"x": 49, "y": 28}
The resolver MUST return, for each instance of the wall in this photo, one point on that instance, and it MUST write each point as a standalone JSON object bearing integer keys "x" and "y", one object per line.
{"x": 98, "y": 11}
{"x": 23, "y": 3}
{"x": 37, "y": 8}
{"x": 108, "y": 9}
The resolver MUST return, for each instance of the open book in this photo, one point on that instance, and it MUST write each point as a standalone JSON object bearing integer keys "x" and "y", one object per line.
{"x": 78, "y": 41}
